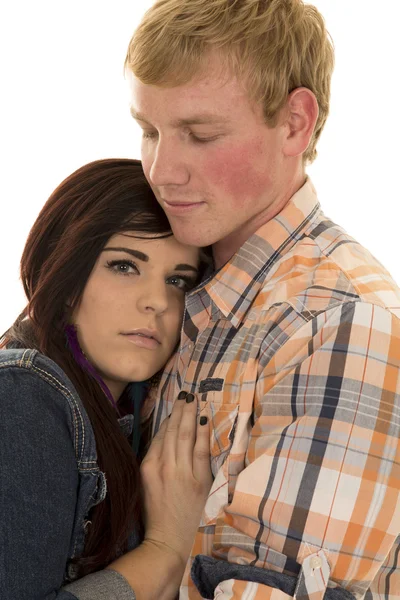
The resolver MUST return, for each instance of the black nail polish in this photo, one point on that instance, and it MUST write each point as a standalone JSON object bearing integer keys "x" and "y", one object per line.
{"x": 182, "y": 395}
{"x": 203, "y": 420}
{"x": 189, "y": 398}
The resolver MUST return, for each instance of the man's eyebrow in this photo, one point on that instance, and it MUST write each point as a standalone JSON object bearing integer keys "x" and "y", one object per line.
{"x": 137, "y": 115}
{"x": 200, "y": 119}
{"x": 135, "y": 253}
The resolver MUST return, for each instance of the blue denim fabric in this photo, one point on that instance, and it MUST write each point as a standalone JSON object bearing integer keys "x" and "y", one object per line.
{"x": 49, "y": 477}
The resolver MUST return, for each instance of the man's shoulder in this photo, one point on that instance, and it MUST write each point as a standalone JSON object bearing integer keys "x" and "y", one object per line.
{"x": 328, "y": 268}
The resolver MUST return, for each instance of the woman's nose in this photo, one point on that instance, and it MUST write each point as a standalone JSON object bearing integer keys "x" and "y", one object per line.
{"x": 153, "y": 299}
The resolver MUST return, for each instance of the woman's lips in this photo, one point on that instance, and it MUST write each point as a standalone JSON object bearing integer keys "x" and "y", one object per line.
{"x": 144, "y": 338}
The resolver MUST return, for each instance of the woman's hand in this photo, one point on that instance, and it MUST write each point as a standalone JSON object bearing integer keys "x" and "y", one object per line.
{"x": 177, "y": 477}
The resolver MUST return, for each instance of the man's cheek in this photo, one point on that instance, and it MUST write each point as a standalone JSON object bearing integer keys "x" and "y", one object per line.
{"x": 234, "y": 172}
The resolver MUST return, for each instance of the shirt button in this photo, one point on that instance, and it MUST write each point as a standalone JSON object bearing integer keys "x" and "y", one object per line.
{"x": 190, "y": 346}
{"x": 316, "y": 562}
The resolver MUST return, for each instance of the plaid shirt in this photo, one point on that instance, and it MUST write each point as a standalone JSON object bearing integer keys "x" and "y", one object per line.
{"x": 293, "y": 349}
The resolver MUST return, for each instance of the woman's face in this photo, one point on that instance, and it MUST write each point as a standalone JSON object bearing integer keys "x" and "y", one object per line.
{"x": 130, "y": 314}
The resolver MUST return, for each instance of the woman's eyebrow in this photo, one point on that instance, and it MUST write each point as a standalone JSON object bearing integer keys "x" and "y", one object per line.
{"x": 185, "y": 267}
{"x": 142, "y": 256}
{"x": 135, "y": 253}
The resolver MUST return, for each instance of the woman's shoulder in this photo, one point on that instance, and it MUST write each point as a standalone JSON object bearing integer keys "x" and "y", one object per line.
{"x": 48, "y": 451}
{"x": 31, "y": 383}
{"x": 32, "y": 360}
{"x": 31, "y": 368}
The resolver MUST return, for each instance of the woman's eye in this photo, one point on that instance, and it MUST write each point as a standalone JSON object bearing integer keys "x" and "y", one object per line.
{"x": 122, "y": 267}
{"x": 181, "y": 282}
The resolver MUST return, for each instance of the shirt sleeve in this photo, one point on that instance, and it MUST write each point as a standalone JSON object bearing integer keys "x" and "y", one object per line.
{"x": 104, "y": 585}
{"x": 318, "y": 497}
{"x": 38, "y": 487}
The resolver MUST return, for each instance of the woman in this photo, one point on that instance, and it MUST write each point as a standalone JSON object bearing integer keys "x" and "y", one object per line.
{"x": 105, "y": 281}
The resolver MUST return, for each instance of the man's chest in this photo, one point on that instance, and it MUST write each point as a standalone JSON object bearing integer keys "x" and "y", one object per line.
{"x": 219, "y": 363}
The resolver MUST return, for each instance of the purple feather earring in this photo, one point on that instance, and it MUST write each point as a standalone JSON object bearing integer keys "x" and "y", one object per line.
{"x": 82, "y": 361}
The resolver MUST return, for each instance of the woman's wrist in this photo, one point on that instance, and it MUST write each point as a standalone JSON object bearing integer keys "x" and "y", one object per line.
{"x": 167, "y": 551}
{"x": 154, "y": 570}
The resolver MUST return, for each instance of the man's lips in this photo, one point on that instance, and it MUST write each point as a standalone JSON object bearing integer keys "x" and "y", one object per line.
{"x": 174, "y": 206}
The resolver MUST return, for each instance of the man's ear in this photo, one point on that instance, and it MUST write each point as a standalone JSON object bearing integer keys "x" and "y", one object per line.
{"x": 301, "y": 116}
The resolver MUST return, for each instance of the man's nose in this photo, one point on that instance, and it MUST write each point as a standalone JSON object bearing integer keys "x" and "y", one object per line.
{"x": 168, "y": 166}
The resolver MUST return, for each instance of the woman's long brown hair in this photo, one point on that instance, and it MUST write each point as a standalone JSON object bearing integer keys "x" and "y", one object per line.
{"x": 97, "y": 201}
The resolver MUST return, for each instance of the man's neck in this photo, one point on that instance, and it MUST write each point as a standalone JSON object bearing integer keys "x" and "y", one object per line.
{"x": 224, "y": 249}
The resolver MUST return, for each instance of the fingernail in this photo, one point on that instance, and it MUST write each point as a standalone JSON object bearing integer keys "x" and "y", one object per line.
{"x": 189, "y": 398}
{"x": 203, "y": 420}
{"x": 182, "y": 395}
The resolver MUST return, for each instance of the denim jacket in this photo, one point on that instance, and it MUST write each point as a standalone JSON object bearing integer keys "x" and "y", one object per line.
{"x": 49, "y": 480}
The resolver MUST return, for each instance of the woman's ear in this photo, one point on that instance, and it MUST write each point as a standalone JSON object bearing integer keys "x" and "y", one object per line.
{"x": 69, "y": 311}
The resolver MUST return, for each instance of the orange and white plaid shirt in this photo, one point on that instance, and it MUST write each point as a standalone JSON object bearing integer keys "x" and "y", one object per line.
{"x": 293, "y": 349}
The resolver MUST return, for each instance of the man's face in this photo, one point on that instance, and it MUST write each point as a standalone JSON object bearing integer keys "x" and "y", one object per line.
{"x": 214, "y": 165}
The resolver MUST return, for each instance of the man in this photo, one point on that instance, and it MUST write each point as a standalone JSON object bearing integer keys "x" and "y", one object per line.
{"x": 293, "y": 346}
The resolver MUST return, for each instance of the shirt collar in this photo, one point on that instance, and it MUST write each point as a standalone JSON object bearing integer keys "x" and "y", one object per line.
{"x": 235, "y": 286}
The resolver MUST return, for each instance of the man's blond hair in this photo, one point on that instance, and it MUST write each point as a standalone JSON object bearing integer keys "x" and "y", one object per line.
{"x": 273, "y": 46}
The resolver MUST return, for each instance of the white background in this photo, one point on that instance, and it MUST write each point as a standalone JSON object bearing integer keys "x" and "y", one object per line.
{"x": 64, "y": 102}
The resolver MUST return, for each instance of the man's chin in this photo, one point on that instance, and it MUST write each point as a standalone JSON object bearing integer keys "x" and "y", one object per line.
{"x": 190, "y": 236}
